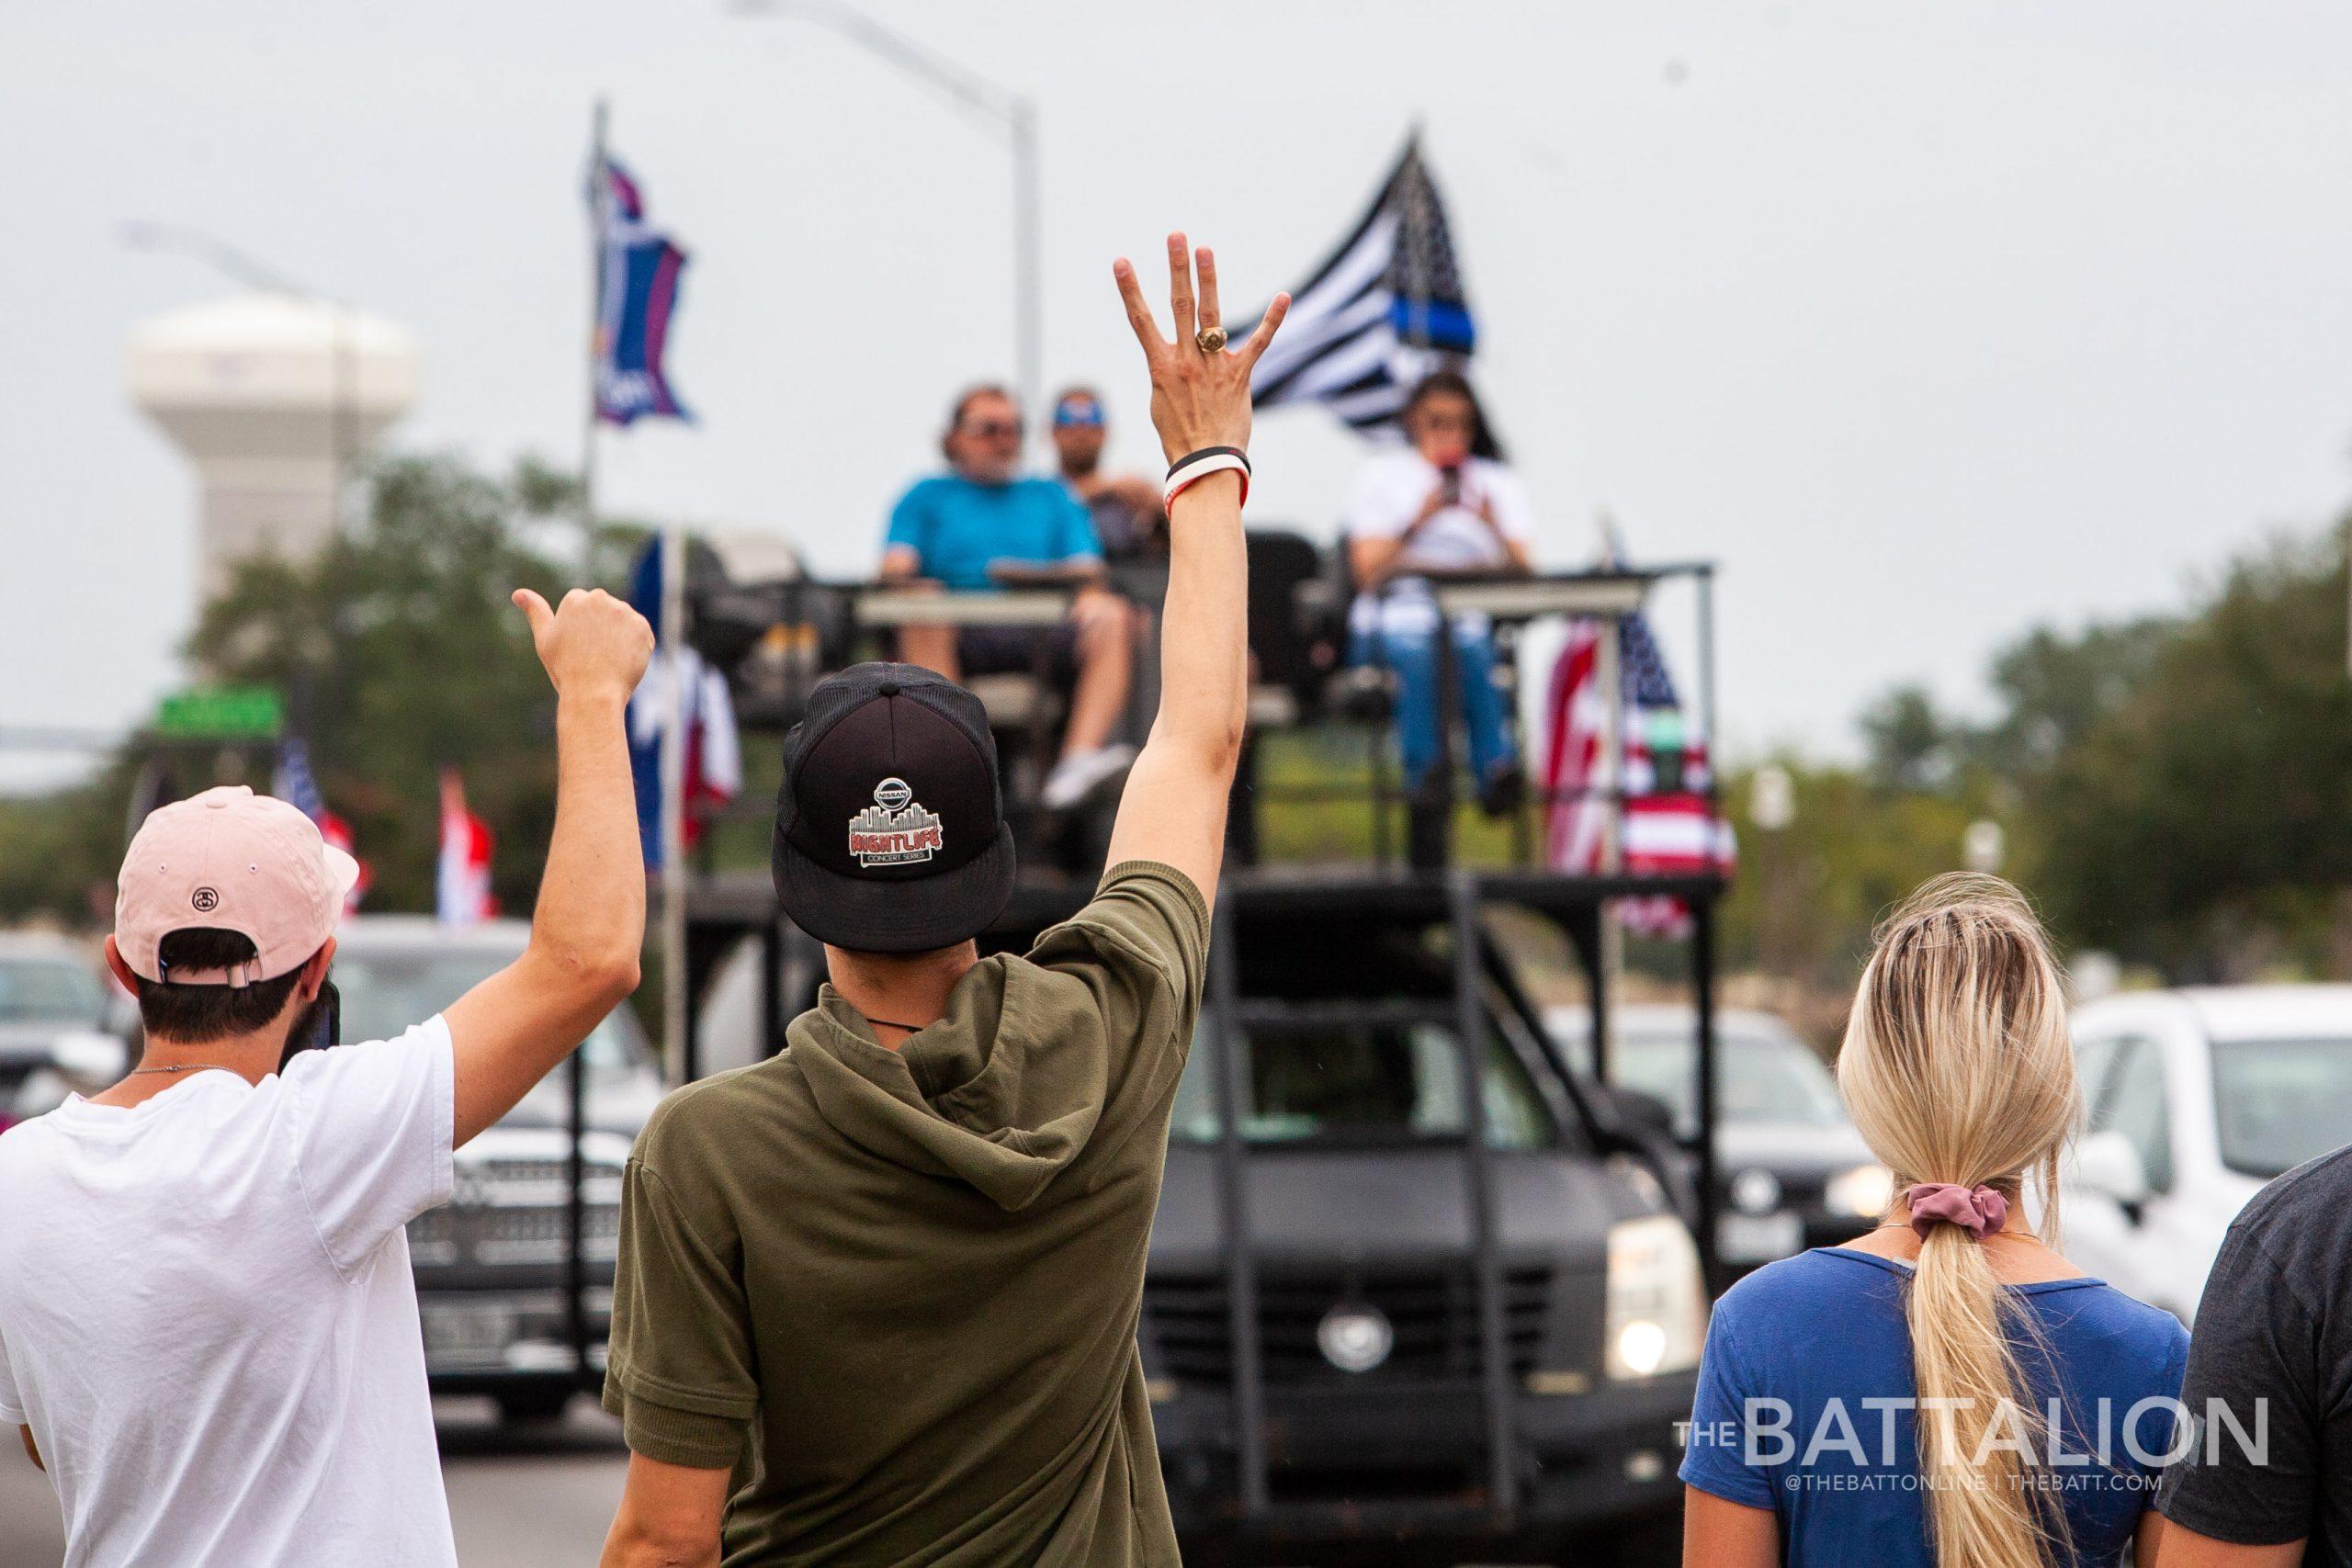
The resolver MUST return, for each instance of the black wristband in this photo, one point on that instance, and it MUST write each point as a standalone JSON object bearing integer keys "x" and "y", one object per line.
{"x": 1210, "y": 452}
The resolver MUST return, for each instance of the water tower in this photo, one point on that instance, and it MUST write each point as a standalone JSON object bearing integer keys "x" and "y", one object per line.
{"x": 273, "y": 396}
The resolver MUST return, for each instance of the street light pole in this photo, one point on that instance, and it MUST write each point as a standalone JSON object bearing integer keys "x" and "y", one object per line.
{"x": 1028, "y": 285}
{"x": 1014, "y": 114}
{"x": 238, "y": 266}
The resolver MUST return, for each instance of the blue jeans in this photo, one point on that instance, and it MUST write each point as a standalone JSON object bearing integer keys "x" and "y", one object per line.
{"x": 1412, "y": 657}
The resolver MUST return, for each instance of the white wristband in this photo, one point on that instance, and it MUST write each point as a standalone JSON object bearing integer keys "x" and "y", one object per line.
{"x": 1198, "y": 467}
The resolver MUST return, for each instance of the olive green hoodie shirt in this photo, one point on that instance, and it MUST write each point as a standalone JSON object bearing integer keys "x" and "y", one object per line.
{"x": 897, "y": 1290}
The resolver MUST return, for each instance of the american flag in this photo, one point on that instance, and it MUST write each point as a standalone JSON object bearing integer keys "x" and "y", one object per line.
{"x": 1669, "y": 827}
{"x": 297, "y": 785}
{"x": 1385, "y": 308}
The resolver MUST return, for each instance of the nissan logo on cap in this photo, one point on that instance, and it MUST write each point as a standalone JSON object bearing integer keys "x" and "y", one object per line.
{"x": 890, "y": 828}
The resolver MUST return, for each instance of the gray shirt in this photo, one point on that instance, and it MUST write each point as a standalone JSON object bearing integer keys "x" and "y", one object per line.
{"x": 2274, "y": 1344}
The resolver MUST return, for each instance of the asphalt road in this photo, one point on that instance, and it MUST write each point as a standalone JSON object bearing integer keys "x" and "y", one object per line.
{"x": 534, "y": 1499}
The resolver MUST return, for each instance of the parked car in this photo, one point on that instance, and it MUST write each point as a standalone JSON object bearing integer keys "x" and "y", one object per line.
{"x": 2198, "y": 1098}
{"x": 490, "y": 1265}
{"x": 1791, "y": 1170}
{"x": 54, "y": 1037}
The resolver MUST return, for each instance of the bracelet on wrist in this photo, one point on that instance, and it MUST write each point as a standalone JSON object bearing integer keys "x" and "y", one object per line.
{"x": 1193, "y": 467}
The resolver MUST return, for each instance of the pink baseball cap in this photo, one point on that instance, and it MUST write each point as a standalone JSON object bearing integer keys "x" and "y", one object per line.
{"x": 230, "y": 859}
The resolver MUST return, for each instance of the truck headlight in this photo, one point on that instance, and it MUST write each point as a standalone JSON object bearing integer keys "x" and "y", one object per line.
{"x": 1657, "y": 1306}
{"x": 1865, "y": 1191}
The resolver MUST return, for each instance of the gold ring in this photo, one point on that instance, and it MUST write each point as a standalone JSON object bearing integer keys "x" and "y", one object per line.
{"x": 1210, "y": 340}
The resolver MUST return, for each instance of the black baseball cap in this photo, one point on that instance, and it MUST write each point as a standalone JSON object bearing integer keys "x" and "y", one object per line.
{"x": 889, "y": 830}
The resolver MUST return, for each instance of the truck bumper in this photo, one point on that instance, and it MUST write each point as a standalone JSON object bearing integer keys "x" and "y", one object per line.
{"x": 1394, "y": 1461}
{"x": 485, "y": 1341}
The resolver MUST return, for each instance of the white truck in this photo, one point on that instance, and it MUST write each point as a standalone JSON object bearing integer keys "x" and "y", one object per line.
{"x": 490, "y": 1266}
{"x": 2198, "y": 1098}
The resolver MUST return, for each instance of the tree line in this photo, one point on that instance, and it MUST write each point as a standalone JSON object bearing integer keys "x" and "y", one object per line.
{"x": 2174, "y": 788}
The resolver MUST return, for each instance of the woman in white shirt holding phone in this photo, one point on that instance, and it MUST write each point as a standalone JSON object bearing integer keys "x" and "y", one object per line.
{"x": 1445, "y": 504}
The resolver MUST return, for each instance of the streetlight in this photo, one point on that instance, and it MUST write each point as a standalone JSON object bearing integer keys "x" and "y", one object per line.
{"x": 1013, "y": 113}
{"x": 1772, "y": 807}
{"x": 243, "y": 267}
{"x": 1771, "y": 797}
{"x": 1983, "y": 845}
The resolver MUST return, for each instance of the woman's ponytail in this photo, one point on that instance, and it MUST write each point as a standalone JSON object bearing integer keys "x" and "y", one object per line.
{"x": 1981, "y": 1513}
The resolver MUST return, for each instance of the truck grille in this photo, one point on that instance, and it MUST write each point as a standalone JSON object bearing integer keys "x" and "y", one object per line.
{"x": 509, "y": 1172}
{"x": 513, "y": 1212}
{"x": 1433, "y": 1310}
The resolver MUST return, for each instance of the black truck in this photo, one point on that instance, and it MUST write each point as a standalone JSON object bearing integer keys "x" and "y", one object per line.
{"x": 1413, "y": 1288}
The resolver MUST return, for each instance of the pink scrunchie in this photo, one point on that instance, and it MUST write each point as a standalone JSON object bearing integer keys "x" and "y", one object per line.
{"x": 1980, "y": 1213}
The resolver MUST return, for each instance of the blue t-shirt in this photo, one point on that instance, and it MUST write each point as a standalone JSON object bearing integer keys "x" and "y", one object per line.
{"x": 1803, "y": 1343}
{"x": 957, "y": 527}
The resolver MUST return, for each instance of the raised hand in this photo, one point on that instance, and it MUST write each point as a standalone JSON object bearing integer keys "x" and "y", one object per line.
{"x": 1199, "y": 397}
{"x": 593, "y": 642}
{"x": 1173, "y": 808}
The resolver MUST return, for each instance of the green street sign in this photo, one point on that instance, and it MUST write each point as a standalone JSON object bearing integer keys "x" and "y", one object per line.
{"x": 222, "y": 712}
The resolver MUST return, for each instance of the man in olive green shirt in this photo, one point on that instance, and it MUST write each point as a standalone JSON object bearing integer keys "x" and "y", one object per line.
{"x": 878, "y": 1297}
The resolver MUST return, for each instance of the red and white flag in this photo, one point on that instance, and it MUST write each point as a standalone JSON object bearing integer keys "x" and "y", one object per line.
{"x": 1668, "y": 825}
{"x": 462, "y": 887}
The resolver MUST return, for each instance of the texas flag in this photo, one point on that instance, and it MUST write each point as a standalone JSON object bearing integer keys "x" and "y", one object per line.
{"x": 714, "y": 759}
{"x": 462, "y": 888}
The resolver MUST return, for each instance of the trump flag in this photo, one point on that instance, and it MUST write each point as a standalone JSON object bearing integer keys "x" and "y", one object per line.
{"x": 637, "y": 294}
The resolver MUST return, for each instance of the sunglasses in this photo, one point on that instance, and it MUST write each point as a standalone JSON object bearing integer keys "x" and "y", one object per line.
{"x": 990, "y": 429}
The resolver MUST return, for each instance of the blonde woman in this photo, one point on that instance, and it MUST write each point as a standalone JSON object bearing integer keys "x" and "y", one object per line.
{"x": 1947, "y": 1390}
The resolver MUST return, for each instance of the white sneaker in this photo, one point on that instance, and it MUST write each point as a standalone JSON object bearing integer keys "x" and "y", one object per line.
{"x": 1075, "y": 778}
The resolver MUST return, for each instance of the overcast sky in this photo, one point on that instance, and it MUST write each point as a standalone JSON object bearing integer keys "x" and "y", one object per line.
{"x": 1928, "y": 321}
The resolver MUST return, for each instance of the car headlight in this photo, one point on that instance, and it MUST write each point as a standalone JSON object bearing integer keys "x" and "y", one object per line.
{"x": 1657, "y": 1304}
{"x": 1866, "y": 1191}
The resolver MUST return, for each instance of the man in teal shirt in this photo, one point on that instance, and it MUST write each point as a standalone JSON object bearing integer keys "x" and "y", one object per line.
{"x": 980, "y": 528}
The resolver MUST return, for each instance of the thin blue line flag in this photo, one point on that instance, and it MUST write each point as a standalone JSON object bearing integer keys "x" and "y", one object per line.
{"x": 1383, "y": 311}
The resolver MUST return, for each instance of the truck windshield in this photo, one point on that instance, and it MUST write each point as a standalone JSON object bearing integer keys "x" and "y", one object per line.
{"x": 1761, "y": 1080}
{"x": 388, "y": 991}
{"x": 49, "y": 990}
{"x": 1384, "y": 1082}
{"x": 2279, "y": 1102}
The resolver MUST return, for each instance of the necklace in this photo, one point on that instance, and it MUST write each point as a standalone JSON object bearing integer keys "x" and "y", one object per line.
{"x": 181, "y": 1067}
{"x": 910, "y": 1028}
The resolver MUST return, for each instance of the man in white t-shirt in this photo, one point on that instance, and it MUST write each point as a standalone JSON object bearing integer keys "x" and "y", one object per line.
{"x": 208, "y": 1326}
